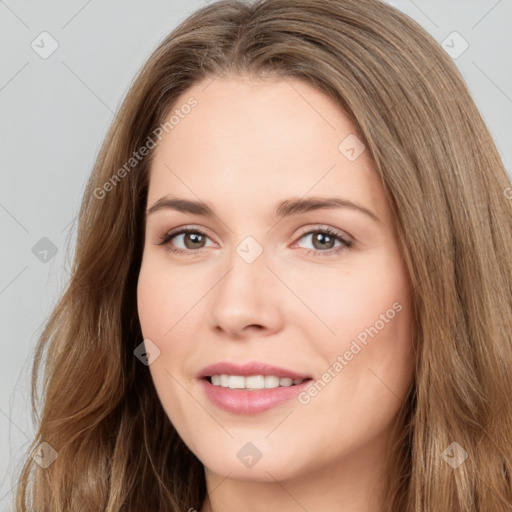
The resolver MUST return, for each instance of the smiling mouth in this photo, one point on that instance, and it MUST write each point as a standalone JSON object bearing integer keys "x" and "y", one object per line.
{"x": 253, "y": 382}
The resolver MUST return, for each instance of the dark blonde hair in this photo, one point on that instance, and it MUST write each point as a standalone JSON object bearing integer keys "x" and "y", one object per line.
{"x": 445, "y": 182}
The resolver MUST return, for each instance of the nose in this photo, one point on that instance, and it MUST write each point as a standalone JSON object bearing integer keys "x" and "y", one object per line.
{"x": 247, "y": 300}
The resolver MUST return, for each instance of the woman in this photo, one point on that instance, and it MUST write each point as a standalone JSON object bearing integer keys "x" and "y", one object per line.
{"x": 203, "y": 358}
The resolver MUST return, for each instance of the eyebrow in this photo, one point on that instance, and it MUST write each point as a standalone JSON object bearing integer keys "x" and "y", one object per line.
{"x": 283, "y": 209}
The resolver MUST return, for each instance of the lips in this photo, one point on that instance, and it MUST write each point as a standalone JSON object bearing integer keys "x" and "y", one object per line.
{"x": 251, "y": 402}
{"x": 250, "y": 368}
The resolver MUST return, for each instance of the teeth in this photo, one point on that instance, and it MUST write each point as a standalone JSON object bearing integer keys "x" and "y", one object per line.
{"x": 253, "y": 381}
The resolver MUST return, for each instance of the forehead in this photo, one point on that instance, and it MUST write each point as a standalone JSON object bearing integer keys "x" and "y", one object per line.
{"x": 253, "y": 141}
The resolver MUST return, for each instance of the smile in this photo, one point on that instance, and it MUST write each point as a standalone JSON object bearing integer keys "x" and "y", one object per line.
{"x": 253, "y": 382}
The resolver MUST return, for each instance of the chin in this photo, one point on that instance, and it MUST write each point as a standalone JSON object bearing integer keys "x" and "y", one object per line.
{"x": 248, "y": 463}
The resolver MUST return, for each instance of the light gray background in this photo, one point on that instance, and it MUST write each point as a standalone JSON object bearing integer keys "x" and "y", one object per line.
{"x": 55, "y": 112}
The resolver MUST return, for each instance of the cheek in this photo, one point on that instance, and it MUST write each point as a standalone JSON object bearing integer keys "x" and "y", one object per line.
{"x": 163, "y": 297}
{"x": 366, "y": 338}
{"x": 347, "y": 300}
{"x": 373, "y": 357}
{"x": 168, "y": 304}
{"x": 160, "y": 304}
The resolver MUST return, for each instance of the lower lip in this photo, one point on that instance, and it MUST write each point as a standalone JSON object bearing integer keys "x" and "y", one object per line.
{"x": 239, "y": 401}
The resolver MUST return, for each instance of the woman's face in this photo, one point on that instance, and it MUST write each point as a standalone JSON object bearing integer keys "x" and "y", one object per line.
{"x": 259, "y": 281}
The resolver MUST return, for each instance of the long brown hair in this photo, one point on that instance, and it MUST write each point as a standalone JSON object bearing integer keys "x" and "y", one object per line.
{"x": 446, "y": 184}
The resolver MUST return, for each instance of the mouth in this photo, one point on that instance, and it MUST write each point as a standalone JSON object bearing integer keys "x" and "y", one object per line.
{"x": 251, "y": 387}
{"x": 251, "y": 394}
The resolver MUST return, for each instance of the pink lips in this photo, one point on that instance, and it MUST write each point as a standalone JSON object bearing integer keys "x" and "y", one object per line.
{"x": 251, "y": 368}
{"x": 240, "y": 401}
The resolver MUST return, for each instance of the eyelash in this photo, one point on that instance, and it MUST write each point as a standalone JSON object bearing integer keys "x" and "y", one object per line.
{"x": 346, "y": 244}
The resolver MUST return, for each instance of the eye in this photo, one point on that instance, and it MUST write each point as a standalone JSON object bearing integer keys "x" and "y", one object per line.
{"x": 323, "y": 240}
{"x": 192, "y": 238}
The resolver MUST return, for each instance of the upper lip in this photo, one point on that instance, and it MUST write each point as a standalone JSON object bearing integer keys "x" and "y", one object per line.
{"x": 247, "y": 369}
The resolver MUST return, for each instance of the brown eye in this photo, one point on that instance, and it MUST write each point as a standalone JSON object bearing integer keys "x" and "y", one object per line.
{"x": 323, "y": 241}
{"x": 192, "y": 240}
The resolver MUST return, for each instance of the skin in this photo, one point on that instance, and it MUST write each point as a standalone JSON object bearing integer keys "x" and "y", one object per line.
{"x": 248, "y": 144}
